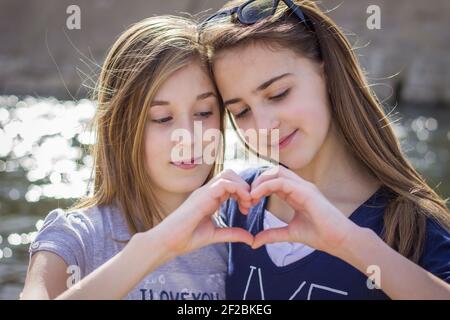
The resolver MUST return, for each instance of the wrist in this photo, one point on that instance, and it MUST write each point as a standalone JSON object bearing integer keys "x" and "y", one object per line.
{"x": 152, "y": 246}
{"x": 355, "y": 244}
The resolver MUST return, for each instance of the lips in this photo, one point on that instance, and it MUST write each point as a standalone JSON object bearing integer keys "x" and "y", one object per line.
{"x": 187, "y": 164}
{"x": 284, "y": 141}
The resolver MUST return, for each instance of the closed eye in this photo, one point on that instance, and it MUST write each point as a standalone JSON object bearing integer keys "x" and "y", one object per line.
{"x": 242, "y": 113}
{"x": 162, "y": 120}
{"x": 280, "y": 96}
{"x": 205, "y": 114}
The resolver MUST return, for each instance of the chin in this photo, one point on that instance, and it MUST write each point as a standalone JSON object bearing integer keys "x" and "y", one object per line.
{"x": 186, "y": 185}
{"x": 189, "y": 183}
{"x": 296, "y": 161}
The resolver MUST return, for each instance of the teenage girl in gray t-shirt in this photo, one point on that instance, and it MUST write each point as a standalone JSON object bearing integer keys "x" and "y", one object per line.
{"x": 147, "y": 232}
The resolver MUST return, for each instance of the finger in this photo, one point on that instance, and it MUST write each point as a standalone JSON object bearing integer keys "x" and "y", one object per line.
{"x": 225, "y": 196}
{"x": 286, "y": 172}
{"x": 233, "y": 176}
{"x": 228, "y": 174}
{"x": 222, "y": 235}
{"x": 275, "y": 172}
{"x": 224, "y": 186}
{"x": 244, "y": 206}
{"x": 266, "y": 175}
{"x": 271, "y": 236}
{"x": 278, "y": 185}
{"x": 223, "y": 189}
{"x": 295, "y": 194}
{"x": 243, "y": 210}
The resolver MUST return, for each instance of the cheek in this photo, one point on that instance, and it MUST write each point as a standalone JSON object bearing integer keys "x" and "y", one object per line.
{"x": 310, "y": 112}
{"x": 148, "y": 147}
{"x": 213, "y": 122}
{"x": 211, "y": 136}
{"x": 243, "y": 127}
{"x": 320, "y": 122}
{"x": 155, "y": 142}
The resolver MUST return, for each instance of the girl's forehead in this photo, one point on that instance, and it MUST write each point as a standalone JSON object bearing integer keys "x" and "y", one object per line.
{"x": 253, "y": 60}
{"x": 242, "y": 69}
{"x": 257, "y": 47}
{"x": 192, "y": 76}
{"x": 188, "y": 86}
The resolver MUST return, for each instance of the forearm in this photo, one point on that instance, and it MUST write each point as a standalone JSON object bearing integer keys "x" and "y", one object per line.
{"x": 400, "y": 278}
{"x": 119, "y": 275}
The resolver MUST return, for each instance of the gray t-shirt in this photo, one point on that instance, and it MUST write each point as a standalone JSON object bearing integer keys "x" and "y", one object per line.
{"x": 85, "y": 239}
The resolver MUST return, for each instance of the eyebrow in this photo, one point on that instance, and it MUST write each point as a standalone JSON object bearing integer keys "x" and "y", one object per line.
{"x": 263, "y": 86}
{"x": 202, "y": 96}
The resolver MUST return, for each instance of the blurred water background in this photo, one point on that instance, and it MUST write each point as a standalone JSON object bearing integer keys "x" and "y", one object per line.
{"x": 44, "y": 111}
{"x": 44, "y": 164}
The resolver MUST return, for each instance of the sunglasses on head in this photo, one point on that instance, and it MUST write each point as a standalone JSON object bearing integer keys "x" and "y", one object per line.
{"x": 253, "y": 11}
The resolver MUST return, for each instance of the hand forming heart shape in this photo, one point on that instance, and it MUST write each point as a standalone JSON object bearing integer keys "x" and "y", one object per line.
{"x": 316, "y": 222}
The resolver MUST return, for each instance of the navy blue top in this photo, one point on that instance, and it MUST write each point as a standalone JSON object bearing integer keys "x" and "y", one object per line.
{"x": 253, "y": 276}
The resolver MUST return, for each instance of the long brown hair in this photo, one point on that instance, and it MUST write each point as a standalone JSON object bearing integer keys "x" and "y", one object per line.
{"x": 141, "y": 59}
{"x": 357, "y": 113}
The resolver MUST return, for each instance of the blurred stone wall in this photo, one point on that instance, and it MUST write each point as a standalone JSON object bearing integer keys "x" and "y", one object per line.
{"x": 39, "y": 56}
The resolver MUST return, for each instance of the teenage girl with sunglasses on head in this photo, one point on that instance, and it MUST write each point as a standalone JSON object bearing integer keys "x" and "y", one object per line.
{"x": 350, "y": 205}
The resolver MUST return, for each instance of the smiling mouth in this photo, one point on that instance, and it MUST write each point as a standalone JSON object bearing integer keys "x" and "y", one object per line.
{"x": 287, "y": 139}
{"x": 187, "y": 164}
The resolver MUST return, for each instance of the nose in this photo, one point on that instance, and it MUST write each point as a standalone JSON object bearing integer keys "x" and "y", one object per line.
{"x": 267, "y": 125}
{"x": 187, "y": 136}
{"x": 267, "y": 122}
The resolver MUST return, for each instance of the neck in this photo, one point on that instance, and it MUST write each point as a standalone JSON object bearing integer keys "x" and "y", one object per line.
{"x": 336, "y": 172}
{"x": 169, "y": 201}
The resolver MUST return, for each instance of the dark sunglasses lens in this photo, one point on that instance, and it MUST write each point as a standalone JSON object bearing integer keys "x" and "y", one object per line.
{"x": 256, "y": 10}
